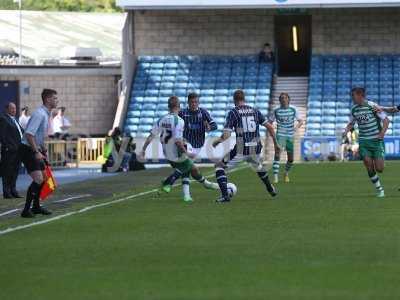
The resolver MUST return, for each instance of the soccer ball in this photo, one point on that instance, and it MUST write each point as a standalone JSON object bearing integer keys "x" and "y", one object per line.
{"x": 232, "y": 189}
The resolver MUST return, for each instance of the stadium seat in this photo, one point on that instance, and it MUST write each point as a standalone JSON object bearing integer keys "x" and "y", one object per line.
{"x": 213, "y": 77}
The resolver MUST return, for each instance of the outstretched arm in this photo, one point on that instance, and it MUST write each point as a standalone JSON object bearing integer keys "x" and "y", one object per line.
{"x": 146, "y": 144}
{"x": 271, "y": 131}
{"x": 385, "y": 126}
{"x": 225, "y": 135}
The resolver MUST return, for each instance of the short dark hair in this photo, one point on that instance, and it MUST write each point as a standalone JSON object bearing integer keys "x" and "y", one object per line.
{"x": 25, "y": 108}
{"x": 358, "y": 90}
{"x": 46, "y": 93}
{"x": 267, "y": 45}
{"x": 62, "y": 108}
{"x": 192, "y": 96}
{"x": 284, "y": 94}
{"x": 173, "y": 102}
{"x": 238, "y": 96}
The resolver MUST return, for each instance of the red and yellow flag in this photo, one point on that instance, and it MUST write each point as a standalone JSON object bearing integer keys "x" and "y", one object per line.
{"x": 49, "y": 185}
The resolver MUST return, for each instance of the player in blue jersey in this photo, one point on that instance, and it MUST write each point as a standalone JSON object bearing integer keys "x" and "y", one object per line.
{"x": 245, "y": 121}
{"x": 198, "y": 121}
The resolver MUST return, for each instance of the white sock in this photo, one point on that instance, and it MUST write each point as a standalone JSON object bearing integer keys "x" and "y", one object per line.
{"x": 186, "y": 187}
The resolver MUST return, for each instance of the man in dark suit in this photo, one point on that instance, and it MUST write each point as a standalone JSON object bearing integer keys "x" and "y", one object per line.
{"x": 10, "y": 139}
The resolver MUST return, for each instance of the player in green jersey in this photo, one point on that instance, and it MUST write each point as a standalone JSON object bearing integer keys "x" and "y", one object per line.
{"x": 372, "y": 127}
{"x": 285, "y": 116}
{"x": 170, "y": 131}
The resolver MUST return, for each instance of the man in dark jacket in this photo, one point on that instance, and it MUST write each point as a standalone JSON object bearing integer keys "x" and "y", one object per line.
{"x": 10, "y": 139}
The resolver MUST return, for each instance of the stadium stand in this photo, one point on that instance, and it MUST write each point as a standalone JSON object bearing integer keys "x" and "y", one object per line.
{"x": 331, "y": 79}
{"x": 214, "y": 78}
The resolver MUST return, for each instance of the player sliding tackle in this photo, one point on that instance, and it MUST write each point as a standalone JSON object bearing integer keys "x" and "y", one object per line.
{"x": 170, "y": 129}
{"x": 245, "y": 121}
{"x": 372, "y": 128}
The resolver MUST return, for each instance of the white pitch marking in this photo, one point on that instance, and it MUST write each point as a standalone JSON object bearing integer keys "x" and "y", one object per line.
{"x": 72, "y": 198}
{"x": 9, "y": 212}
{"x": 85, "y": 209}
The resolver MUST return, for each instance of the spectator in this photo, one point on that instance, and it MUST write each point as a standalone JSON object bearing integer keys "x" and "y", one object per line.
{"x": 24, "y": 118}
{"x": 10, "y": 137}
{"x": 266, "y": 55}
{"x": 61, "y": 124}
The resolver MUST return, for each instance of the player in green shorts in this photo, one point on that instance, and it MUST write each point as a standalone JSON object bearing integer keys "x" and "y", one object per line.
{"x": 372, "y": 127}
{"x": 170, "y": 129}
{"x": 285, "y": 116}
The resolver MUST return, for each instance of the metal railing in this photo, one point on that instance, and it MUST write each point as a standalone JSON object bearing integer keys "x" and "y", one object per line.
{"x": 61, "y": 153}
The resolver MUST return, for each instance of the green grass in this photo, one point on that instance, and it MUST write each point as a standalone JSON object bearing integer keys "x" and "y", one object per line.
{"x": 325, "y": 237}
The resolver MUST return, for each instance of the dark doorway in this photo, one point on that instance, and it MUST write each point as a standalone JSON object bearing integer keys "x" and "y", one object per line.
{"x": 293, "y": 44}
{"x": 9, "y": 92}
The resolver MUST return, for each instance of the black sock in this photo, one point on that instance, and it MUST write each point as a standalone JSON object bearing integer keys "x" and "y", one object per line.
{"x": 36, "y": 199}
{"x": 222, "y": 182}
{"x": 32, "y": 194}
{"x": 170, "y": 180}
{"x": 264, "y": 178}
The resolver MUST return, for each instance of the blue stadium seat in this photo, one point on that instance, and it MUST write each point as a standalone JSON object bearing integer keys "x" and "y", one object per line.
{"x": 314, "y": 112}
{"x": 133, "y": 113}
{"x": 221, "y": 92}
{"x": 213, "y": 77}
{"x": 314, "y": 119}
{"x": 147, "y": 113}
{"x": 151, "y": 93}
{"x": 313, "y": 132}
{"x": 314, "y": 104}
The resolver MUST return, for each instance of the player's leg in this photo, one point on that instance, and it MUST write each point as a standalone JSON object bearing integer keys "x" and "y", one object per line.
{"x": 186, "y": 178}
{"x": 196, "y": 174}
{"x": 370, "y": 166}
{"x": 379, "y": 164}
{"x": 228, "y": 161}
{"x": 376, "y": 151}
{"x": 256, "y": 162}
{"x": 275, "y": 165}
{"x": 290, "y": 157}
{"x": 168, "y": 182}
{"x": 186, "y": 187}
{"x": 277, "y": 157}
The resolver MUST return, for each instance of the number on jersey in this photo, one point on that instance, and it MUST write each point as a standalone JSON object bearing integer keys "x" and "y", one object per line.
{"x": 249, "y": 124}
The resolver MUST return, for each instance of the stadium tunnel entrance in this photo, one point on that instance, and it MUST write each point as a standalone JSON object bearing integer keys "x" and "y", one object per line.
{"x": 293, "y": 44}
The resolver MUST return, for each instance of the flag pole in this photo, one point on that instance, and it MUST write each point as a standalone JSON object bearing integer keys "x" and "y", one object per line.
{"x": 20, "y": 32}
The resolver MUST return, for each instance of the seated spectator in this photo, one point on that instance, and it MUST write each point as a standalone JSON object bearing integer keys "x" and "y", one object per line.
{"x": 266, "y": 54}
{"x": 24, "y": 117}
{"x": 61, "y": 124}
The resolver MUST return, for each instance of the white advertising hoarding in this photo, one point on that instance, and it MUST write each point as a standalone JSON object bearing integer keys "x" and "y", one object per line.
{"x": 204, "y": 4}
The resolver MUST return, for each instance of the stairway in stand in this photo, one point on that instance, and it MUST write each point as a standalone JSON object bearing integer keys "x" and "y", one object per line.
{"x": 297, "y": 88}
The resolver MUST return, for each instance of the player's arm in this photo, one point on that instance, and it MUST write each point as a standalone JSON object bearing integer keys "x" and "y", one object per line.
{"x": 179, "y": 141}
{"x": 300, "y": 121}
{"x": 391, "y": 110}
{"x": 271, "y": 130}
{"x": 30, "y": 133}
{"x": 385, "y": 125}
{"x": 149, "y": 139}
{"x": 211, "y": 125}
{"x": 228, "y": 128}
{"x": 225, "y": 135}
{"x": 154, "y": 132}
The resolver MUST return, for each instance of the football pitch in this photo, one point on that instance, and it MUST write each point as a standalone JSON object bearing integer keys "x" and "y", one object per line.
{"x": 326, "y": 236}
